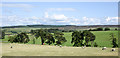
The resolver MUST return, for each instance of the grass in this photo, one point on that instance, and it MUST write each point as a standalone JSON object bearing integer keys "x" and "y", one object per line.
{"x": 103, "y": 37}
{"x": 46, "y": 50}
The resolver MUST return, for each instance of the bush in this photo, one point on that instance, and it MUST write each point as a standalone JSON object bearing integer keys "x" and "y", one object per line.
{"x": 116, "y": 29}
{"x": 106, "y": 29}
{"x": 99, "y": 29}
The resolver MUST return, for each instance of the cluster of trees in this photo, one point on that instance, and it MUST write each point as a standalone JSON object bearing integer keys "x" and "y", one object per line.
{"x": 19, "y": 38}
{"x": 79, "y": 38}
{"x": 2, "y": 34}
{"x": 83, "y": 38}
{"x": 47, "y": 37}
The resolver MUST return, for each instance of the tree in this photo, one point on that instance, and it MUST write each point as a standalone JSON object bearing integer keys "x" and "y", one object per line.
{"x": 12, "y": 38}
{"x": 114, "y": 40}
{"x": 77, "y": 38}
{"x": 20, "y": 38}
{"x": 116, "y": 29}
{"x": 49, "y": 38}
{"x": 89, "y": 37}
{"x": 106, "y": 29}
{"x": 59, "y": 37}
{"x": 46, "y": 37}
{"x": 99, "y": 29}
{"x": 2, "y": 34}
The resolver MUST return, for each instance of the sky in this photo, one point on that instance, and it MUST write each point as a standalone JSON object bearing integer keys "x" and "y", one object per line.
{"x": 59, "y": 13}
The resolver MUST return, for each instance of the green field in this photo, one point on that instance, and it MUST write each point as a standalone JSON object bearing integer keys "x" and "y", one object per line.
{"x": 102, "y": 38}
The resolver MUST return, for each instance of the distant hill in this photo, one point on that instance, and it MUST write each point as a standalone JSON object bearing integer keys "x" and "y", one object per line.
{"x": 60, "y": 26}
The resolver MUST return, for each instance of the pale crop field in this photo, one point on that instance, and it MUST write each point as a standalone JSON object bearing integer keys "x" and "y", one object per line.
{"x": 46, "y": 50}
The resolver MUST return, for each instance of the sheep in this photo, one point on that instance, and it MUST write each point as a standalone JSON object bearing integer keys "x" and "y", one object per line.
{"x": 11, "y": 46}
{"x": 113, "y": 49}
{"x": 104, "y": 48}
{"x": 83, "y": 47}
{"x": 60, "y": 45}
{"x": 56, "y": 45}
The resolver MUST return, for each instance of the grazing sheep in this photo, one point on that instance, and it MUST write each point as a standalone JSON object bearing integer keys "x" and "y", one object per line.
{"x": 11, "y": 46}
{"x": 83, "y": 47}
{"x": 56, "y": 45}
{"x": 113, "y": 49}
{"x": 104, "y": 48}
{"x": 60, "y": 45}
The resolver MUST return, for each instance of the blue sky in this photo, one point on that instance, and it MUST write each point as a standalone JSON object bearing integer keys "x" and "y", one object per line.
{"x": 59, "y": 13}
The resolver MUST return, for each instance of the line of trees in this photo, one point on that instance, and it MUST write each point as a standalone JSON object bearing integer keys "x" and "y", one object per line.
{"x": 79, "y": 38}
{"x": 101, "y": 29}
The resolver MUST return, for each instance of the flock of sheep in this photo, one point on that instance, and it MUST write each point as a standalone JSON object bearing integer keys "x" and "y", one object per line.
{"x": 104, "y": 48}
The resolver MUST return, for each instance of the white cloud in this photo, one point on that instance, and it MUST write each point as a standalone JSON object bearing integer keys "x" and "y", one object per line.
{"x": 16, "y": 20}
{"x": 61, "y": 9}
{"x": 16, "y": 5}
{"x": 34, "y": 17}
{"x": 58, "y": 16}
{"x": 111, "y": 18}
{"x": 46, "y": 15}
{"x": 57, "y": 19}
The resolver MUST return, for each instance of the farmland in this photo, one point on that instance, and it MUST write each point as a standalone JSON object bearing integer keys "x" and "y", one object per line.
{"x": 102, "y": 38}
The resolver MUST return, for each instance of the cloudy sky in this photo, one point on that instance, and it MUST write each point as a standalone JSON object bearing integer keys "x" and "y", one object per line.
{"x": 59, "y": 13}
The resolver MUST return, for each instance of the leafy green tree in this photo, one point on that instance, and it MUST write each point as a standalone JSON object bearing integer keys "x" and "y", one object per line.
{"x": 99, "y": 29}
{"x": 12, "y": 38}
{"x": 20, "y": 38}
{"x": 89, "y": 37}
{"x": 114, "y": 40}
{"x": 77, "y": 38}
{"x": 49, "y": 38}
{"x": 2, "y": 34}
{"x": 46, "y": 37}
{"x": 116, "y": 29}
{"x": 59, "y": 37}
{"x": 92, "y": 38}
{"x": 106, "y": 29}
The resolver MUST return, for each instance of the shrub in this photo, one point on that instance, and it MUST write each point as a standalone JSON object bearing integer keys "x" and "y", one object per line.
{"x": 99, "y": 29}
{"x": 106, "y": 29}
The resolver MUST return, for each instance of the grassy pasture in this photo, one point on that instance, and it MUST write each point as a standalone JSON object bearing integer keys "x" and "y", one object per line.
{"x": 46, "y": 50}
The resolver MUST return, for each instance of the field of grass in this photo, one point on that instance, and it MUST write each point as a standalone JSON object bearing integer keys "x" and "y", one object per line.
{"x": 102, "y": 38}
{"x": 46, "y": 50}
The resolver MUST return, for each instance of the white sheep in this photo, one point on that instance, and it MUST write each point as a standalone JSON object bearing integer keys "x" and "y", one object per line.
{"x": 60, "y": 45}
{"x": 113, "y": 49}
{"x": 104, "y": 48}
{"x": 83, "y": 47}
